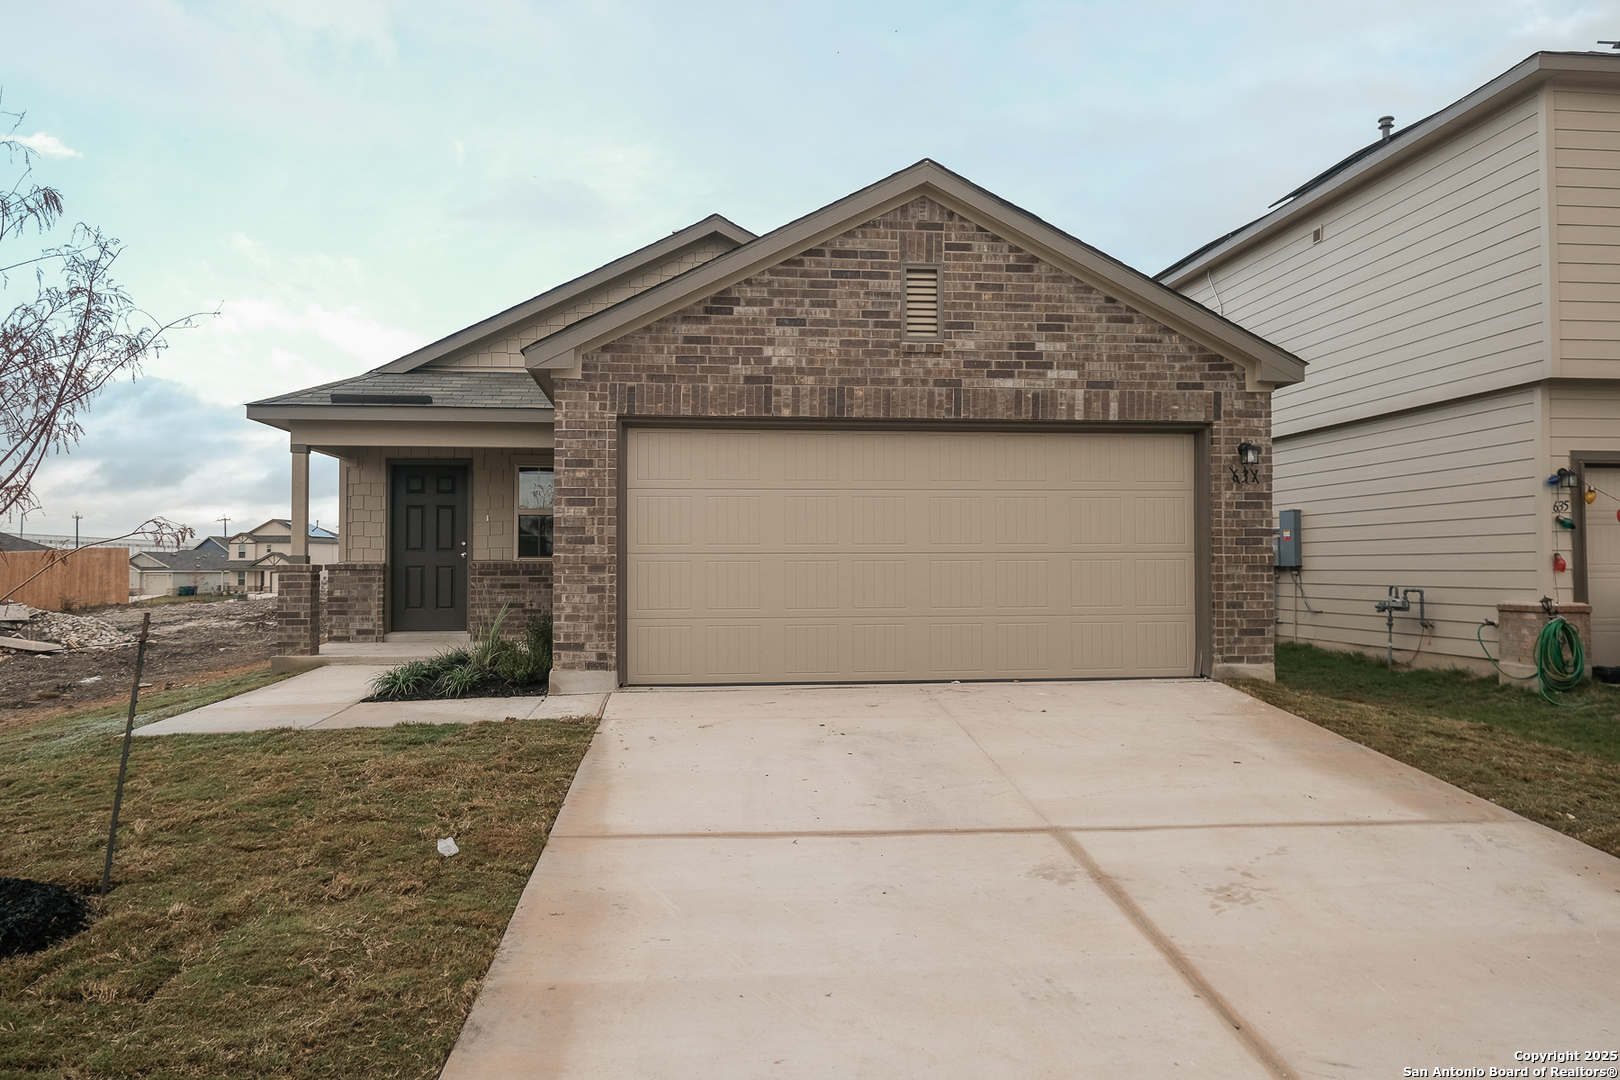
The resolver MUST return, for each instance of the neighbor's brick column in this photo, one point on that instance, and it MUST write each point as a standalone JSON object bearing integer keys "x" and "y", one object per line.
{"x": 1518, "y": 626}
{"x": 523, "y": 585}
{"x": 298, "y": 611}
{"x": 354, "y": 610}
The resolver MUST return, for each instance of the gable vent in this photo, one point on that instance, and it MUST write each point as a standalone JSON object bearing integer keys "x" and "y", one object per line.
{"x": 922, "y": 301}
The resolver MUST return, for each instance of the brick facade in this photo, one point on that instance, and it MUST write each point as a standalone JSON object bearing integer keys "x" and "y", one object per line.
{"x": 298, "y": 611}
{"x": 355, "y": 611}
{"x": 819, "y": 337}
{"x": 523, "y": 585}
{"x": 1519, "y": 625}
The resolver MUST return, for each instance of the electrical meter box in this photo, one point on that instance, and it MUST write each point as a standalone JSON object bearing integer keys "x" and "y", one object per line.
{"x": 1288, "y": 540}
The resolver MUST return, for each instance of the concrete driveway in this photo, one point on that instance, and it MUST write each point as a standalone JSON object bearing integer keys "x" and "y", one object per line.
{"x": 1031, "y": 880}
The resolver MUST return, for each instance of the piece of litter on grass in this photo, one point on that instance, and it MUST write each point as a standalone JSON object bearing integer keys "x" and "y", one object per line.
{"x": 91, "y": 679}
{"x": 447, "y": 847}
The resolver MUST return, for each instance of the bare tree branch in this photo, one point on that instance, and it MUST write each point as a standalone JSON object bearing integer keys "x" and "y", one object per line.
{"x": 58, "y": 350}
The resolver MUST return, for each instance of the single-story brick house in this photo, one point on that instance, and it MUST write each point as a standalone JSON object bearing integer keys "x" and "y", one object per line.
{"x": 917, "y": 434}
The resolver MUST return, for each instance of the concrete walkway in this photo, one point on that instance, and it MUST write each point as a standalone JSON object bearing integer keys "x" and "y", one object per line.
{"x": 329, "y": 697}
{"x": 1033, "y": 880}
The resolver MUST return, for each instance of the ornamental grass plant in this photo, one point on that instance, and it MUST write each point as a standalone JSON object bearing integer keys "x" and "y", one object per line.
{"x": 490, "y": 666}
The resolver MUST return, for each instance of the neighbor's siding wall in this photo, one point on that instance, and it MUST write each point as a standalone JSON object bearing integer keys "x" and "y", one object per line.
{"x": 1448, "y": 500}
{"x": 1427, "y": 285}
{"x": 1583, "y": 416}
{"x": 1586, "y": 212}
{"x": 507, "y": 352}
{"x": 363, "y": 481}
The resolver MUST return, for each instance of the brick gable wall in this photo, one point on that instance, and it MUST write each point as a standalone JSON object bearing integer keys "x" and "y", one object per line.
{"x": 819, "y": 336}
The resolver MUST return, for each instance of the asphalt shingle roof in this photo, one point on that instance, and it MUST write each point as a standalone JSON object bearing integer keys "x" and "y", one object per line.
{"x": 449, "y": 388}
{"x": 195, "y": 559}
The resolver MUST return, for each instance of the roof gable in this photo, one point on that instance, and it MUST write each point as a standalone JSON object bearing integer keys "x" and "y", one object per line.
{"x": 559, "y": 355}
{"x": 570, "y": 292}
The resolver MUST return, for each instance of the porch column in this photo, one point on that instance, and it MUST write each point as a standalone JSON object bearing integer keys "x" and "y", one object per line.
{"x": 300, "y": 503}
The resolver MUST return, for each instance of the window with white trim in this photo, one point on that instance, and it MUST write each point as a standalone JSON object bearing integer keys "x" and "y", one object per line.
{"x": 535, "y": 491}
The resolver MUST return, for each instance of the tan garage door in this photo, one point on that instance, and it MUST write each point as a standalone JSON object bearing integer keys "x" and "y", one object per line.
{"x": 820, "y": 556}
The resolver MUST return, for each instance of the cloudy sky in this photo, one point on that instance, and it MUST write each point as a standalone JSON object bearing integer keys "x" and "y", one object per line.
{"x": 344, "y": 180}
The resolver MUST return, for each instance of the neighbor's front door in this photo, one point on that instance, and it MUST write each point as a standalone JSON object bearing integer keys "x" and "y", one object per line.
{"x": 428, "y": 546}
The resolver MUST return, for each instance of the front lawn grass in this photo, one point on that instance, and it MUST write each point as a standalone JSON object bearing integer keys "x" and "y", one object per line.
{"x": 279, "y": 908}
{"x": 1558, "y": 766}
{"x": 153, "y": 705}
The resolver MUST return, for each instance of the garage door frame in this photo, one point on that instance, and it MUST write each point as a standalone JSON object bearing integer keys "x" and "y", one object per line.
{"x": 1202, "y": 436}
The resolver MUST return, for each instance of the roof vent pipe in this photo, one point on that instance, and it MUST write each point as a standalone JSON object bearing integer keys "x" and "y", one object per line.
{"x": 1385, "y": 124}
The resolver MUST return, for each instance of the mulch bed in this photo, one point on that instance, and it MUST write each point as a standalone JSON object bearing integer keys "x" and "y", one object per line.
{"x": 505, "y": 690}
{"x": 35, "y": 915}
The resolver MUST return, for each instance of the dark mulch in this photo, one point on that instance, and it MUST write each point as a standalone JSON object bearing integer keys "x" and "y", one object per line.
{"x": 35, "y": 915}
{"x": 493, "y": 691}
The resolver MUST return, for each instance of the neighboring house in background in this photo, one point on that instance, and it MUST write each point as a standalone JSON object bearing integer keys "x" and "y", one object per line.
{"x": 160, "y": 573}
{"x": 9, "y": 542}
{"x": 256, "y": 556}
{"x": 1455, "y": 288}
{"x": 916, "y": 434}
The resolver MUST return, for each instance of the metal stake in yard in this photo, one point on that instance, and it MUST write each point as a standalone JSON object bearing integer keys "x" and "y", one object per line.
{"x": 123, "y": 765}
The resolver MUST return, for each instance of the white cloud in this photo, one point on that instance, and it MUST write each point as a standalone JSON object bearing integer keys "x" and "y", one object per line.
{"x": 44, "y": 145}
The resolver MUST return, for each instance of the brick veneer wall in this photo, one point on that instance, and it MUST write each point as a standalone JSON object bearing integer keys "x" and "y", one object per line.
{"x": 1518, "y": 626}
{"x": 298, "y": 611}
{"x": 819, "y": 336}
{"x": 524, "y": 585}
{"x": 354, "y": 609}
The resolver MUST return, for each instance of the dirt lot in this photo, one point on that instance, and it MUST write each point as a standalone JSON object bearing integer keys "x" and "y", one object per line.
{"x": 189, "y": 643}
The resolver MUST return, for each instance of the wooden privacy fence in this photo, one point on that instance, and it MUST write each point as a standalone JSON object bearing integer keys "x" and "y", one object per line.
{"x": 88, "y": 576}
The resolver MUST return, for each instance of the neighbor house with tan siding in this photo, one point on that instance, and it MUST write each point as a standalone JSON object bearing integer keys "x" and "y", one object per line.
{"x": 1455, "y": 288}
{"x": 918, "y": 434}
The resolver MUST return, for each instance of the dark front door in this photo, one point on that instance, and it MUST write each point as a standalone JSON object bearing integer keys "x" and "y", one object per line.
{"x": 428, "y": 546}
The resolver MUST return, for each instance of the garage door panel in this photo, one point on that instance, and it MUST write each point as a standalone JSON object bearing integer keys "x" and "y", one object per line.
{"x": 1160, "y": 459}
{"x": 880, "y": 459}
{"x": 1162, "y": 584}
{"x": 1163, "y": 646}
{"x": 812, "y": 520}
{"x": 880, "y": 648}
{"x": 1098, "y": 647}
{"x": 1096, "y": 521}
{"x": 733, "y": 456}
{"x": 732, "y": 520}
{"x": 813, "y": 649}
{"x": 1161, "y": 522}
{"x": 879, "y": 585}
{"x": 956, "y": 520}
{"x": 664, "y": 520}
{"x": 825, "y": 556}
{"x": 1020, "y": 521}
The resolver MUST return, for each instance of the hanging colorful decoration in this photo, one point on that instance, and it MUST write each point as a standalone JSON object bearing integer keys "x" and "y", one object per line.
{"x": 1559, "y": 565}
{"x": 1591, "y": 496}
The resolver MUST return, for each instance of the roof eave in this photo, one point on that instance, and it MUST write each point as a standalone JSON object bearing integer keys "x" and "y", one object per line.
{"x": 1515, "y": 82}
{"x": 559, "y": 355}
{"x": 282, "y": 416}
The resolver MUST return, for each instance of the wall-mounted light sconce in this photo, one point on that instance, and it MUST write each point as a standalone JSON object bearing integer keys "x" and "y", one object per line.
{"x": 1248, "y": 454}
{"x": 1563, "y": 478}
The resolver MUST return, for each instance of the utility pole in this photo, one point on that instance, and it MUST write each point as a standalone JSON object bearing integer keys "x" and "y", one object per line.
{"x": 75, "y": 532}
{"x": 227, "y": 527}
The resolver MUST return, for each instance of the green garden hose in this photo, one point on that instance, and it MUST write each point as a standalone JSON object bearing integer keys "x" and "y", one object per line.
{"x": 1553, "y": 671}
{"x": 1560, "y": 660}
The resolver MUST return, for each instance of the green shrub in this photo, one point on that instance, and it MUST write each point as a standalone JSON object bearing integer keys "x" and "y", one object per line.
{"x": 490, "y": 665}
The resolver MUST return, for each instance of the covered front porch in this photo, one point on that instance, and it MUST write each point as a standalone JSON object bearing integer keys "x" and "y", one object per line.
{"x": 444, "y": 512}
